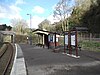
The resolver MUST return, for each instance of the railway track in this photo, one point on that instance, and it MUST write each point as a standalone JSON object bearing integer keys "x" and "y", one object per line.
{"x": 6, "y": 58}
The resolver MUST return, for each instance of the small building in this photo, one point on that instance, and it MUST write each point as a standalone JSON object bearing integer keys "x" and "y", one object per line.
{"x": 44, "y": 34}
{"x": 6, "y": 31}
{"x": 11, "y": 34}
{"x": 48, "y": 38}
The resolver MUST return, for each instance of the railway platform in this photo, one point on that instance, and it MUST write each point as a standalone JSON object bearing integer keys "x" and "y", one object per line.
{"x": 19, "y": 67}
{"x": 43, "y": 61}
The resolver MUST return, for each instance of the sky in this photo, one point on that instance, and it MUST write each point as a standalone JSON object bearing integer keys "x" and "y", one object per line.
{"x": 18, "y": 9}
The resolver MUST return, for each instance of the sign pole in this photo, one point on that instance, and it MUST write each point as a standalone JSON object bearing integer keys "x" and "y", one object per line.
{"x": 76, "y": 44}
{"x": 64, "y": 43}
{"x": 69, "y": 42}
{"x": 55, "y": 39}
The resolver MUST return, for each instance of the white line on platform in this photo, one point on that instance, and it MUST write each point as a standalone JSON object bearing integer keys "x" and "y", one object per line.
{"x": 64, "y": 53}
{"x": 71, "y": 55}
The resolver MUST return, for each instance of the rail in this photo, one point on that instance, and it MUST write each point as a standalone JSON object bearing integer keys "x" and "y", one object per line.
{"x": 3, "y": 50}
{"x": 6, "y": 56}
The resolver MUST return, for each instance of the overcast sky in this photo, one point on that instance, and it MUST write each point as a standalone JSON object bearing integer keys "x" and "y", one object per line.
{"x": 39, "y": 9}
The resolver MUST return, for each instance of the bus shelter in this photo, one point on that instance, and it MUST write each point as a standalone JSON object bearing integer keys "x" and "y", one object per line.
{"x": 49, "y": 39}
{"x": 43, "y": 41}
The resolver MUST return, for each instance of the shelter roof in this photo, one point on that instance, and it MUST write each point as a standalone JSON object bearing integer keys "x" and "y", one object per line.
{"x": 7, "y": 32}
{"x": 39, "y": 31}
{"x": 81, "y": 28}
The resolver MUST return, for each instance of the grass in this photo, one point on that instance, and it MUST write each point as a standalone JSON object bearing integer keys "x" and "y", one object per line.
{"x": 90, "y": 45}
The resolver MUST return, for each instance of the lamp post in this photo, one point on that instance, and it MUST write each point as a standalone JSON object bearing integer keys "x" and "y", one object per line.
{"x": 30, "y": 38}
{"x": 30, "y": 20}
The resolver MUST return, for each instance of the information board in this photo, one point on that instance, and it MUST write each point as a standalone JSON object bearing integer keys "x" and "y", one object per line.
{"x": 66, "y": 39}
{"x": 56, "y": 39}
{"x": 53, "y": 38}
{"x": 73, "y": 40}
{"x": 49, "y": 38}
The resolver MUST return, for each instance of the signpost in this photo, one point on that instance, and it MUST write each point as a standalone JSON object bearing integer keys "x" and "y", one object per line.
{"x": 71, "y": 41}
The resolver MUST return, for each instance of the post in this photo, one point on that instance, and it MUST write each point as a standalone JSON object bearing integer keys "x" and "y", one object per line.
{"x": 76, "y": 43}
{"x": 48, "y": 40}
{"x": 43, "y": 40}
{"x": 27, "y": 39}
{"x": 30, "y": 30}
{"x": 12, "y": 39}
{"x": 64, "y": 43}
{"x": 55, "y": 39}
{"x": 38, "y": 39}
{"x": 69, "y": 42}
{"x": 90, "y": 36}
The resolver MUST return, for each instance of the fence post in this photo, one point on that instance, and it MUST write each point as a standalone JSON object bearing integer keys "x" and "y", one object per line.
{"x": 90, "y": 36}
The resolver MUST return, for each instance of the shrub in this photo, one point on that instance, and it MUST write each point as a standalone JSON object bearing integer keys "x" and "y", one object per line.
{"x": 90, "y": 45}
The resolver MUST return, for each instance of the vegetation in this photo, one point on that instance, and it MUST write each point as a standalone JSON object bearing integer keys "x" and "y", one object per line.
{"x": 45, "y": 25}
{"x": 62, "y": 9}
{"x": 90, "y": 45}
{"x": 92, "y": 16}
{"x": 20, "y": 26}
{"x": 85, "y": 13}
{"x": 4, "y": 27}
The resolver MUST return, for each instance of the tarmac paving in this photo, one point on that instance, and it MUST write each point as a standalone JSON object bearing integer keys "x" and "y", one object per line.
{"x": 43, "y": 61}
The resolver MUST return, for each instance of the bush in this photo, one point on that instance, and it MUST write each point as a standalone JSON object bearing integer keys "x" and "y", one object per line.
{"x": 90, "y": 45}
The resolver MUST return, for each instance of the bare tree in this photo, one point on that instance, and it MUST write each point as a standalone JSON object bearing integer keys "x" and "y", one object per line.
{"x": 20, "y": 26}
{"x": 61, "y": 12}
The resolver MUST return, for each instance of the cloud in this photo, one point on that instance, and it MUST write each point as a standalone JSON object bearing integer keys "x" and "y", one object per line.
{"x": 38, "y": 9}
{"x": 19, "y": 2}
{"x": 15, "y": 12}
{"x": 53, "y": 7}
{"x": 2, "y": 15}
{"x": 52, "y": 19}
{"x": 9, "y": 11}
{"x": 35, "y": 21}
{"x": 57, "y": 18}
